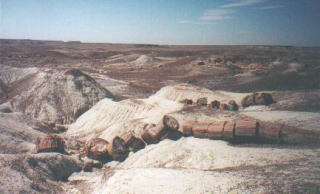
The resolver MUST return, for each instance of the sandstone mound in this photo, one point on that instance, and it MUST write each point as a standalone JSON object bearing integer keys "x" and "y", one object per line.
{"x": 59, "y": 96}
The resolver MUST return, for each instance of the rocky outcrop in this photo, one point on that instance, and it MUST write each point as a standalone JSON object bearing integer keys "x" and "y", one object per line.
{"x": 59, "y": 96}
{"x": 50, "y": 143}
{"x": 257, "y": 99}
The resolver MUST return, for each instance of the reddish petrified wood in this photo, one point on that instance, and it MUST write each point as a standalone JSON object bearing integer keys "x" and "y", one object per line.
{"x": 187, "y": 101}
{"x": 215, "y": 129}
{"x": 224, "y": 106}
{"x": 50, "y": 143}
{"x": 200, "y": 130}
{"x": 97, "y": 149}
{"x": 132, "y": 142}
{"x": 215, "y": 104}
{"x": 246, "y": 128}
{"x": 202, "y": 101}
{"x": 170, "y": 123}
{"x": 153, "y": 133}
{"x": 228, "y": 130}
{"x": 187, "y": 129}
{"x": 117, "y": 149}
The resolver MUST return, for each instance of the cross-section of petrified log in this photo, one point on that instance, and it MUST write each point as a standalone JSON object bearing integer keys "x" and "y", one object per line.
{"x": 97, "y": 149}
{"x": 117, "y": 149}
{"x": 246, "y": 128}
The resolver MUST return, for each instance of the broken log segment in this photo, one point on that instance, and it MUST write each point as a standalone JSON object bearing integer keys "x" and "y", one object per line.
{"x": 200, "y": 130}
{"x": 50, "y": 143}
{"x": 132, "y": 142}
{"x": 215, "y": 129}
{"x": 117, "y": 149}
{"x": 228, "y": 130}
{"x": 153, "y": 133}
{"x": 247, "y": 128}
{"x": 97, "y": 149}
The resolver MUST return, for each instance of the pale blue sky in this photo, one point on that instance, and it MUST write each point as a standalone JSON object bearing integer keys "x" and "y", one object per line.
{"x": 280, "y": 22}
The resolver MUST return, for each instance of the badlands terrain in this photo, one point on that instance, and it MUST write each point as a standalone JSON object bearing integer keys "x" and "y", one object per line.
{"x": 119, "y": 118}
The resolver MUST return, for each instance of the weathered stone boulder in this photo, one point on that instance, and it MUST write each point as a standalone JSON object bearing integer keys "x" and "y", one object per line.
{"x": 50, "y": 143}
{"x": 257, "y": 99}
{"x": 215, "y": 104}
{"x": 118, "y": 149}
{"x": 233, "y": 106}
{"x": 202, "y": 101}
{"x": 97, "y": 149}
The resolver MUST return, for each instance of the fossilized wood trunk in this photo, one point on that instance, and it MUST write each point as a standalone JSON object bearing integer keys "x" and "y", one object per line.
{"x": 249, "y": 130}
{"x": 132, "y": 142}
{"x": 97, "y": 149}
{"x": 50, "y": 143}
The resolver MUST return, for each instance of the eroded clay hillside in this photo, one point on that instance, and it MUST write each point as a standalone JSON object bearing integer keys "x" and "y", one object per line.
{"x": 105, "y": 118}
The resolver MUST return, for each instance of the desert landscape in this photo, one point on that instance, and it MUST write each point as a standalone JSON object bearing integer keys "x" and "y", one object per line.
{"x": 145, "y": 118}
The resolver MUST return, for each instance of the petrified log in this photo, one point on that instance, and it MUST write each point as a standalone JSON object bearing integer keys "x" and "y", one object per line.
{"x": 215, "y": 104}
{"x": 187, "y": 101}
{"x": 263, "y": 99}
{"x": 153, "y": 133}
{"x": 233, "y": 105}
{"x": 257, "y": 99}
{"x": 117, "y": 149}
{"x": 170, "y": 123}
{"x": 187, "y": 129}
{"x": 97, "y": 149}
{"x": 247, "y": 128}
{"x": 202, "y": 101}
{"x": 50, "y": 143}
{"x": 132, "y": 142}
{"x": 224, "y": 106}
{"x": 215, "y": 129}
{"x": 228, "y": 130}
{"x": 200, "y": 130}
